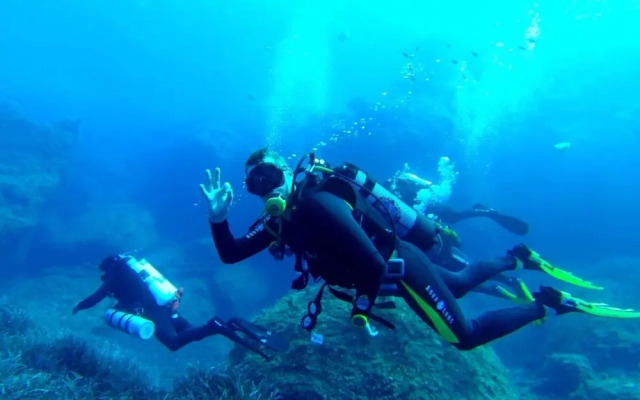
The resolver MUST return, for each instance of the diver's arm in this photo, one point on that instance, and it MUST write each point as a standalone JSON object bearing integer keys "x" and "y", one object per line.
{"x": 232, "y": 250}
{"x": 93, "y": 299}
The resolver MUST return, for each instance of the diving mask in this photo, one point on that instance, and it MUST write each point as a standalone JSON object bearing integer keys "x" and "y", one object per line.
{"x": 263, "y": 179}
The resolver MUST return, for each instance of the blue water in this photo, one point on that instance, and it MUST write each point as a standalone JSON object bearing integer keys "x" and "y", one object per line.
{"x": 167, "y": 89}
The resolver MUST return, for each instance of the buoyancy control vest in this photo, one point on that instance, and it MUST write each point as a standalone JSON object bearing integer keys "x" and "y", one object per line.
{"x": 384, "y": 216}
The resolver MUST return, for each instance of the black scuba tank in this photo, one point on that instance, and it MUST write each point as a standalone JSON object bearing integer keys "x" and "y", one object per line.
{"x": 410, "y": 225}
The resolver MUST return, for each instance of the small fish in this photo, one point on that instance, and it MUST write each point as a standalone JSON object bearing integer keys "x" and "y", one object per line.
{"x": 454, "y": 61}
{"x": 522, "y": 47}
{"x": 407, "y": 55}
{"x": 474, "y": 54}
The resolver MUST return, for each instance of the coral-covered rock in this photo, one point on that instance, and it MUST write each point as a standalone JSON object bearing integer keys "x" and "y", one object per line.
{"x": 608, "y": 344}
{"x": 563, "y": 374}
{"x": 33, "y": 161}
{"x": 409, "y": 363}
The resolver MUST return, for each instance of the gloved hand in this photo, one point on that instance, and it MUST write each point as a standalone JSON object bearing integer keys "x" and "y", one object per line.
{"x": 219, "y": 198}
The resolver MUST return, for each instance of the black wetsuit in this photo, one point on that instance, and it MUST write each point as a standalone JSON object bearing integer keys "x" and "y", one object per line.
{"x": 345, "y": 253}
{"x": 171, "y": 329}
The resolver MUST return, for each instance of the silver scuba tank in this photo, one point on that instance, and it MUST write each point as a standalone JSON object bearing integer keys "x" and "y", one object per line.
{"x": 162, "y": 290}
{"x": 134, "y": 325}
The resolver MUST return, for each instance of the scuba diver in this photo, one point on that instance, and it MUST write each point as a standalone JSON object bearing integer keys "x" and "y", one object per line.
{"x": 146, "y": 299}
{"x": 448, "y": 253}
{"x": 407, "y": 185}
{"x": 346, "y": 229}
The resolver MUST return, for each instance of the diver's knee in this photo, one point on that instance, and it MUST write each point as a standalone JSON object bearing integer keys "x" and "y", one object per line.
{"x": 173, "y": 346}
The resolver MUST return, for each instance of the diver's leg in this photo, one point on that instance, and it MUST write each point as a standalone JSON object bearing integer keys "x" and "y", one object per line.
{"x": 166, "y": 331}
{"x": 426, "y": 293}
{"x": 461, "y": 282}
{"x": 511, "y": 224}
{"x": 179, "y": 323}
{"x": 447, "y": 214}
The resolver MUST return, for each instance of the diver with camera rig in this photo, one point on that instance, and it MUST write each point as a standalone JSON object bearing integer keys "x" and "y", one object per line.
{"x": 147, "y": 305}
{"x": 343, "y": 227}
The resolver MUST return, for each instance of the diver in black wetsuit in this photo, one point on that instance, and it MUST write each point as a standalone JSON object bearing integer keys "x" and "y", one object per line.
{"x": 338, "y": 235}
{"x": 171, "y": 329}
{"x": 407, "y": 185}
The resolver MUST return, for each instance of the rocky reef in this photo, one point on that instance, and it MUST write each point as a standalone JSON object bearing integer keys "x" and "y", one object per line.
{"x": 409, "y": 363}
{"x": 572, "y": 376}
{"x": 33, "y": 163}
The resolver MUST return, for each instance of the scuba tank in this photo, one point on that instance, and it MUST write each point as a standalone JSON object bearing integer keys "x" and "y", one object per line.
{"x": 161, "y": 289}
{"x": 410, "y": 225}
{"x": 132, "y": 324}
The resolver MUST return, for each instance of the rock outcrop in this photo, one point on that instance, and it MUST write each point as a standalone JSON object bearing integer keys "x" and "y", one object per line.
{"x": 409, "y": 363}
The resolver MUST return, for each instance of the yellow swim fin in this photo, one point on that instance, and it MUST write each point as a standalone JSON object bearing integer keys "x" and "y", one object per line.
{"x": 506, "y": 293}
{"x": 561, "y": 274}
{"x": 524, "y": 291}
{"x": 564, "y": 302}
{"x": 605, "y": 310}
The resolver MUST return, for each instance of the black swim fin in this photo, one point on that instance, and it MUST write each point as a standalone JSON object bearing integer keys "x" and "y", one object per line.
{"x": 268, "y": 338}
{"x": 512, "y": 224}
